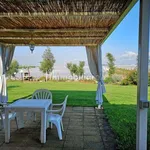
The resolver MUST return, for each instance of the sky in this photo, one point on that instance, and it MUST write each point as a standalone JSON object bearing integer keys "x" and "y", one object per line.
{"x": 122, "y": 43}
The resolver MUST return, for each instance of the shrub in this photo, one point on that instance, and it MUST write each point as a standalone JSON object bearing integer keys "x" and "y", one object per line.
{"x": 43, "y": 78}
{"x": 116, "y": 78}
{"x": 124, "y": 82}
{"x": 132, "y": 77}
{"x": 108, "y": 80}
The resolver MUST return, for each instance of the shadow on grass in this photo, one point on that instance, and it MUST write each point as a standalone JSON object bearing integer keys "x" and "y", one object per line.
{"x": 76, "y": 98}
{"x": 122, "y": 118}
{"x": 12, "y": 86}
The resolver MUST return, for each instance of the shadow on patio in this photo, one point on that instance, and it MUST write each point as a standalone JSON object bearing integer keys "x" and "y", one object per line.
{"x": 85, "y": 129}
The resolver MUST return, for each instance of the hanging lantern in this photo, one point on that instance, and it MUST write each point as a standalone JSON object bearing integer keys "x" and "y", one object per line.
{"x": 32, "y": 46}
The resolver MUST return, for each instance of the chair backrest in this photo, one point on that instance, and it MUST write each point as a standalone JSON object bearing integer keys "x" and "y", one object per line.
{"x": 42, "y": 94}
{"x": 64, "y": 106}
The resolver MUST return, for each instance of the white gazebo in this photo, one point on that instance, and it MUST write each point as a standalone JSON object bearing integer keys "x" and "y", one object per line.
{"x": 75, "y": 23}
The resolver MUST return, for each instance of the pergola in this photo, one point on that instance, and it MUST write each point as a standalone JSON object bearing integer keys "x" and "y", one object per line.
{"x": 75, "y": 23}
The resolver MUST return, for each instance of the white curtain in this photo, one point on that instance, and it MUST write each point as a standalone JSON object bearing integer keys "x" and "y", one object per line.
{"x": 94, "y": 57}
{"x": 6, "y": 55}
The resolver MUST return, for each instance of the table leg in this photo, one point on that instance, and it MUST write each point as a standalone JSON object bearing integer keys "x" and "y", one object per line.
{"x": 43, "y": 126}
{"x": 7, "y": 126}
{"x": 20, "y": 119}
{"x": 47, "y": 122}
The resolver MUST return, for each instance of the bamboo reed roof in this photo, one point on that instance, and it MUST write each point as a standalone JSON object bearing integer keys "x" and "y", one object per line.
{"x": 60, "y": 22}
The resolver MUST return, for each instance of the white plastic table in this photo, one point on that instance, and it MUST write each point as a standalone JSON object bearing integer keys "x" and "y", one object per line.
{"x": 24, "y": 105}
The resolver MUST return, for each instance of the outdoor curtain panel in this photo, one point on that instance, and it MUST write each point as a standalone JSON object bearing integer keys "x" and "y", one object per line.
{"x": 6, "y": 55}
{"x": 95, "y": 64}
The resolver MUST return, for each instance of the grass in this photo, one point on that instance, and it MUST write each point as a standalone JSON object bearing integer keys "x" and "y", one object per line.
{"x": 80, "y": 94}
{"x": 119, "y": 103}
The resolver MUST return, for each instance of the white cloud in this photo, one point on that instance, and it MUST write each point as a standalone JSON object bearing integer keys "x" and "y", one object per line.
{"x": 128, "y": 55}
{"x": 127, "y": 58}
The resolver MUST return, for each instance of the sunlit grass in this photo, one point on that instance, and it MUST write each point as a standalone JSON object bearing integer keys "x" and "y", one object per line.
{"x": 119, "y": 103}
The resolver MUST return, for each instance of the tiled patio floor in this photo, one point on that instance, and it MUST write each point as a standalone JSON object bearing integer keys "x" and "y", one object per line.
{"x": 85, "y": 129}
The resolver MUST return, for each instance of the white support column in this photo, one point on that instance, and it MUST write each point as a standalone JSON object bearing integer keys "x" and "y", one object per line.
{"x": 142, "y": 92}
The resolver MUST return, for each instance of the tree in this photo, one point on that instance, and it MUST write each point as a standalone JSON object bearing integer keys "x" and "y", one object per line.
{"x": 13, "y": 69}
{"x": 81, "y": 68}
{"x": 111, "y": 64}
{"x": 46, "y": 66}
{"x": 75, "y": 69}
{"x": 69, "y": 66}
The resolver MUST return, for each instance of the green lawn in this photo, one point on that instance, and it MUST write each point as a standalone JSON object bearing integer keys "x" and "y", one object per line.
{"x": 80, "y": 94}
{"x": 119, "y": 103}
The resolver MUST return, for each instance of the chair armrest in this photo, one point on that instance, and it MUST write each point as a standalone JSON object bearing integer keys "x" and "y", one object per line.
{"x": 58, "y": 104}
{"x": 54, "y": 111}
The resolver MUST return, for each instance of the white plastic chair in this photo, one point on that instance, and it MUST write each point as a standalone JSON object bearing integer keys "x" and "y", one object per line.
{"x": 40, "y": 94}
{"x": 12, "y": 116}
{"x": 56, "y": 119}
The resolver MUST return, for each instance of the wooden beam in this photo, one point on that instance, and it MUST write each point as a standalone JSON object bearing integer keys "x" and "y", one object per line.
{"x": 61, "y": 14}
{"x": 74, "y": 44}
{"x": 13, "y": 36}
{"x": 50, "y": 38}
{"x": 56, "y": 30}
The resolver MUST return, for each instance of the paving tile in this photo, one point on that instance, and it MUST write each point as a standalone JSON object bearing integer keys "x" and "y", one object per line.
{"x": 92, "y": 128}
{"x": 69, "y": 109}
{"x": 93, "y": 138}
{"x": 91, "y": 124}
{"x": 29, "y": 148}
{"x": 72, "y": 148}
{"x": 78, "y": 108}
{"x": 50, "y": 148}
{"x": 24, "y": 130}
{"x": 76, "y": 119}
{"x": 75, "y": 123}
{"x": 95, "y": 148}
{"x": 89, "y": 108}
{"x": 93, "y": 145}
{"x": 75, "y": 132}
{"x": 74, "y": 138}
{"x": 54, "y": 137}
{"x": 90, "y": 120}
{"x": 54, "y": 144}
{"x": 110, "y": 146}
{"x": 85, "y": 129}
{"x": 89, "y": 114}
{"x": 11, "y": 148}
{"x": 79, "y": 115}
{"x": 73, "y": 144}
{"x": 13, "y": 144}
{"x": 91, "y": 132}
{"x": 74, "y": 127}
